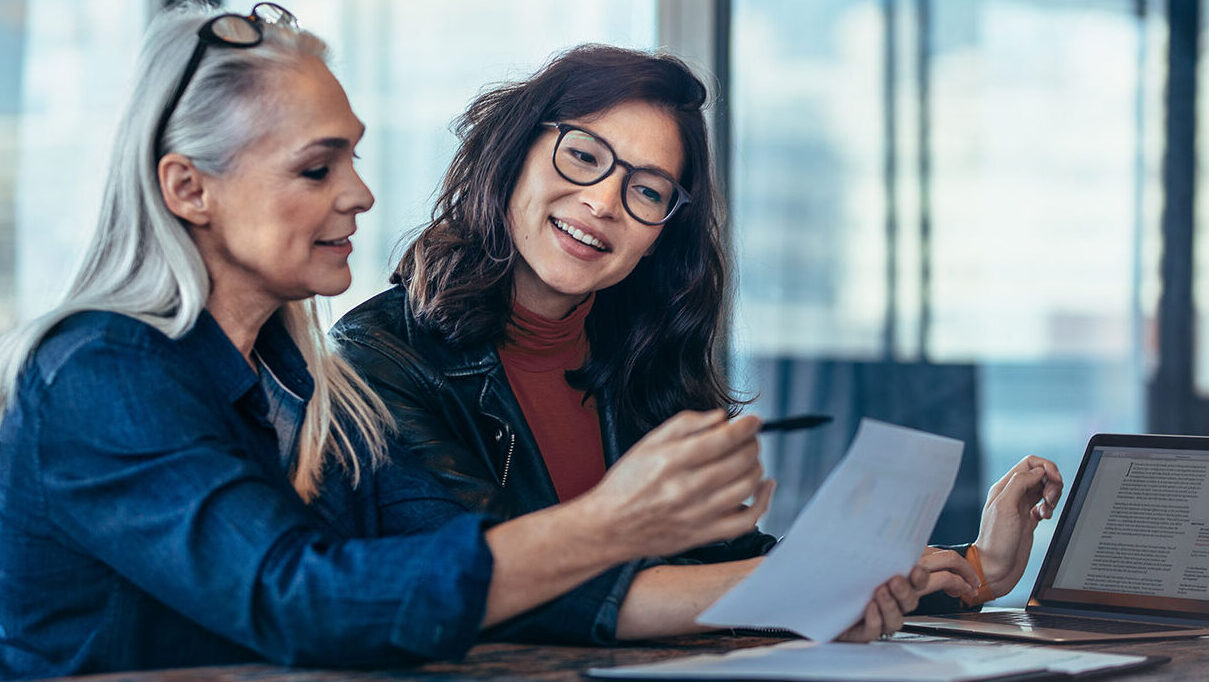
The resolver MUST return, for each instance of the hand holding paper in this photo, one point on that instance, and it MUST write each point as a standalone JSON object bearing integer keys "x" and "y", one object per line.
{"x": 868, "y": 521}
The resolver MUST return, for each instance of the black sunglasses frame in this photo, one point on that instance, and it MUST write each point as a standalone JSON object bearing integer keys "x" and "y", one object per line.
{"x": 206, "y": 37}
{"x": 682, "y": 195}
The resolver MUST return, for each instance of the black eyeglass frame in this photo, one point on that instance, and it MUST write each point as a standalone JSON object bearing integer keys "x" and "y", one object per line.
{"x": 682, "y": 195}
{"x": 206, "y": 36}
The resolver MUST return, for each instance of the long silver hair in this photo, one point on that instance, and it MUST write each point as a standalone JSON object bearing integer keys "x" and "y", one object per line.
{"x": 141, "y": 261}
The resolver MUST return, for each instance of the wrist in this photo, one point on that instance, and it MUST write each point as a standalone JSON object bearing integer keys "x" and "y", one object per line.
{"x": 590, "y": 527}
{"x": 985, "y": 593}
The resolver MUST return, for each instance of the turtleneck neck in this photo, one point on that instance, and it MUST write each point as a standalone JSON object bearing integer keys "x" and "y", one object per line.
{"x": 537, "y": 343}
{"x": 566, "y": 428}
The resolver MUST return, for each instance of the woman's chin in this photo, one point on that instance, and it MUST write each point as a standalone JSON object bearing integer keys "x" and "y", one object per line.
{"x": 335, "y": 287}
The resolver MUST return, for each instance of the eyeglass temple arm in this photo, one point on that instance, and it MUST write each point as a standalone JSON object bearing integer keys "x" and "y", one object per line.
{"x": 162, "y": 126}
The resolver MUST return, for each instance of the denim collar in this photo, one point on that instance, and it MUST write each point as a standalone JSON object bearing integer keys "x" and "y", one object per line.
{"x": 232, "y": 375}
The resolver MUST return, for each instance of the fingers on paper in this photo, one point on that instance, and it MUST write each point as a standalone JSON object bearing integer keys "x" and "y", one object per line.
{"x": 867, "y": 628}
{"x": 889, "y": 610}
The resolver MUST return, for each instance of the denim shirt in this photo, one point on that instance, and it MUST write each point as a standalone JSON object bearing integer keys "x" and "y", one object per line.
{"x": 147, "y": 521}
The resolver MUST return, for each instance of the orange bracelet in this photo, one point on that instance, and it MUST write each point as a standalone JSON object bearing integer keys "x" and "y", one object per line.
{"x": 984, "y": 593}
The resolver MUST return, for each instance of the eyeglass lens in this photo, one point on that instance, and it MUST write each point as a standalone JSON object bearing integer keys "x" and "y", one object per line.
{"x": 585, "y": 160}
{"x": 235, "y": 30}
{"x": 240, "y": 31}
{"x": 272, "y": 13}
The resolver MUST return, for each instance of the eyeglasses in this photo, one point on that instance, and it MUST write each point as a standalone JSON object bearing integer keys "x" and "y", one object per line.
{"x": 224, "y": 30}
{"x": 583, "y": 158}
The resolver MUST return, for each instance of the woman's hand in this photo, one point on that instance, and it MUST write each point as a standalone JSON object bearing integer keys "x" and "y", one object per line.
{"x": 891, "y": 600}
{"x": 683, "y": 485}
{"x": 1025, "y": 495}
{"x": 950, "y": 572}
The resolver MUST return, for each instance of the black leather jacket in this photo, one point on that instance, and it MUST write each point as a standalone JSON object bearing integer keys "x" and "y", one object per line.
{"x": 456, "y": 413}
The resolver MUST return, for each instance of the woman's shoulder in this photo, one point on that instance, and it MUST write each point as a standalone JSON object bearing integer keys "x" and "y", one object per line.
{"x": 385, "y": 315}
{"x": 96, "y": 370}
{"x": 92, "y": 330}
{"x": 125, "y": 380}
{"x": 377, "y": 338}
{"x": 388, "y": 325}
{"x": 105, "y": 348}
{"x": 383, "y": 333}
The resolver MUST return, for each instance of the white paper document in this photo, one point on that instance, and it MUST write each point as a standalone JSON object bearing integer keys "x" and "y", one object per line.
{"x": 869, "y": 520}
{"x": 900, "y": 661}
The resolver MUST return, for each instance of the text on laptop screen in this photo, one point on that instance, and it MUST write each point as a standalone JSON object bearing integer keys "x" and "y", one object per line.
{"x": 1138, "y": 535}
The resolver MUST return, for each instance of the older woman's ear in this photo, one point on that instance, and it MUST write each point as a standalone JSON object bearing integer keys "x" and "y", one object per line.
{"x": 183, "y": 189}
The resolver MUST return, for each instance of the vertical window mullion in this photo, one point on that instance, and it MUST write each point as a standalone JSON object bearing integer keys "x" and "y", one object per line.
{"x": 1173, "y": 406}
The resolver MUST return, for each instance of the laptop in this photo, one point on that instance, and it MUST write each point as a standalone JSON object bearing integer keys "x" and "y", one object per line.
{"x": 1130, "y": 554}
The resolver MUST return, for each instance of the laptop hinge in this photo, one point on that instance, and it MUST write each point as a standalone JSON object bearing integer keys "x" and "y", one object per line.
{"x": 1034, "y": 607}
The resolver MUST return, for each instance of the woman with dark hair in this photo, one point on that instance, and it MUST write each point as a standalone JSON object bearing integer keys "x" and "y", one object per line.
{"x": 652, "y": 333}
{"x": 567, "y": 297}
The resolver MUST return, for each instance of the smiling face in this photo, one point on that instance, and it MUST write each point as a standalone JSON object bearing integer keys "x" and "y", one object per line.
{"x": 280, "y": 219}
{"x": 574, "y": 240}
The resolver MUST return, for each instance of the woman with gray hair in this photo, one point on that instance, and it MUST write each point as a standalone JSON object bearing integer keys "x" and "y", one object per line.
{"x": 188, "y": 476}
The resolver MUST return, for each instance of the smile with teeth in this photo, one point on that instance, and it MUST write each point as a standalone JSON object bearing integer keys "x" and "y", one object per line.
{"x": 579, "y": 235}
{"x": 333, "y": 242}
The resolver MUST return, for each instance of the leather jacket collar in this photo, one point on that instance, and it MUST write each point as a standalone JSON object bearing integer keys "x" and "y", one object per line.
{"x": 499, "y": 467}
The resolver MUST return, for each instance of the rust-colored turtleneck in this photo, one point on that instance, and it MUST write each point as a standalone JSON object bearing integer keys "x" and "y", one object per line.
{"x": 536, "y": 358}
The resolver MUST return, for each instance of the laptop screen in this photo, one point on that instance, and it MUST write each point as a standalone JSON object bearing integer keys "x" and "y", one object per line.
{"x": 1134, "y": 537}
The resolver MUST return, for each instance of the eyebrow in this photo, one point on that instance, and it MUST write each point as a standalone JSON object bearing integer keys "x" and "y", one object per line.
{"x": 330, "y": 142}
{"x": 652, "y": 166}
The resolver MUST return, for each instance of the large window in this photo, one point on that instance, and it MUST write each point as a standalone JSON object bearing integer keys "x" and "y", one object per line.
{"x": 948, "y": 204}
{"x": 65, "y": 71}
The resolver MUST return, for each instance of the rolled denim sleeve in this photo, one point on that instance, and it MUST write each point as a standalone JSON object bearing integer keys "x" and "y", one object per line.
{"x": 410, "y": 500}
{"x": 150, "y": 482}
{"x": 586, "y": 615}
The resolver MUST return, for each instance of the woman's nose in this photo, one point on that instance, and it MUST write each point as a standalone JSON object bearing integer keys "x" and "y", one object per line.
{"x": 604, "y": 198}
{"x": 357, "y": 198}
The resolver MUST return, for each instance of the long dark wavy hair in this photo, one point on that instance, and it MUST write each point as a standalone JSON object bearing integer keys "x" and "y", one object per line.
{"x": 653, "y": 335}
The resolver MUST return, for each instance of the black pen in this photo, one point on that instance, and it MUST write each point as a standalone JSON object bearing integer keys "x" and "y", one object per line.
{"x": 801, "y": 421}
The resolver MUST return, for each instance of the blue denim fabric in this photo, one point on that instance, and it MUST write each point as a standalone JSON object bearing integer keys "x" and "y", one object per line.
{"x": 286, "y": 411}
{"x": 146, "y": 521}
{"x": 404, "y": 498}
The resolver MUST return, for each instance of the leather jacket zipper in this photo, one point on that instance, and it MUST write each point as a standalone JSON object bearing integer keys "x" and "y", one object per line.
{"x": 508, "y": 459}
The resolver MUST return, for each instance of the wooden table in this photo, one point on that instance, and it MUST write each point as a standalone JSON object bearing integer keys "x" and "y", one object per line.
{"x": 1189, "y": 661}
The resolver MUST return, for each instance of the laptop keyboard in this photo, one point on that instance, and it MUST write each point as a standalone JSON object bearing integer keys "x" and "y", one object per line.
{"x": 1048, "y": 620}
